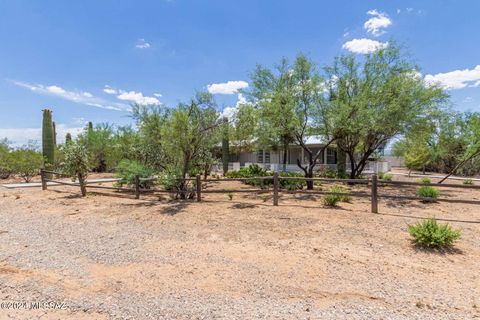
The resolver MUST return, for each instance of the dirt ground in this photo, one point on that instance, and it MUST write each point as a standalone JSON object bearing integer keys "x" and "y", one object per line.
{"x": 109, "y": 256}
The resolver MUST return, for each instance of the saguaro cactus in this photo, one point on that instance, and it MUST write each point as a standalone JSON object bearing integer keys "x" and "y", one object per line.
{"x": 54, "y": 133}
{"x": 48, "y": 146}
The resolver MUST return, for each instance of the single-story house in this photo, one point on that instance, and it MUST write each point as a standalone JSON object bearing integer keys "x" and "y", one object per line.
{"x": 273, "y": 159}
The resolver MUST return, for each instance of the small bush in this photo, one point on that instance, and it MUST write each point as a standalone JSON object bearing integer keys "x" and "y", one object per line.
{"x": 387, "y": 177}
{"x": 331, "y": 200}
{"x": 253, "y": 170}
{"x": 292, "y": 184}
{"x": 343, "y": 195}
{"x": 428, "y": 192}
{"x": 468, "y": 181}
{"x": 425, "y": 181}
{"x": 230, "y": 196}
{"x": 326, "y": 173}
{"x": 127, "y": 170}
{"x": 26, "y": 163}
{"x": 430, "y": 234}
{"x": 171, "y": 180}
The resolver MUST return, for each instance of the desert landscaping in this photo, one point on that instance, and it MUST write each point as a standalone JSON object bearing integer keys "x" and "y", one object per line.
{"x": 274, "y": 160}
{"x": 109, "y": 255}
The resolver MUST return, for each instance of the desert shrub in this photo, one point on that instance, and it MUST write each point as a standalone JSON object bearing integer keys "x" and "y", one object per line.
{"x": 292, "y": 184}
{"x": 326, "y": 173}
{"x": 127, "y": 170}
{"x": 77, "y": 164}
{"x": 230, "y": 196}
{"x": 253, "y": 170}
{"x": 26, "y": 163}
{"x": 331, "y": 200}
{"x": 468, "y": 181}
{"x": 5, "y": 166}
{"x": 387, "y": 177}
{"x": 342, "y": 194}
{"x": 171, "y": 179}
{"x": 431, "y": 234}
{"x": 428, "y": 192}
{"x": 425, "y": 181}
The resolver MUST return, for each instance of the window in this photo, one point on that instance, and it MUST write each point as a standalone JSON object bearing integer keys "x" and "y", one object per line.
{"x": 267, "y": 156}
{"x": 260, "y": 156}
{"x": 331, "y": 156}
{"x": 263, "y": 156}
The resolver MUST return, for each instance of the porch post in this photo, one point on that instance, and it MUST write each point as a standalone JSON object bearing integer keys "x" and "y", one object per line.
{"x": 303, "y": 157}
{"x": 325, "y": 157}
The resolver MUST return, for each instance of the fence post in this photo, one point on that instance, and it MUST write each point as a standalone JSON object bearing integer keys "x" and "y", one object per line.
{"x": 374, "y": 193}
{"x": 199, "y": 188}
{"x": 44, "y": 183}
{"x": 275, "y": 188}
{"x": 137, "y": 187}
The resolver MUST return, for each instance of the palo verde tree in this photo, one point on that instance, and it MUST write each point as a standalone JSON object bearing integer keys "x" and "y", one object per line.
{"x": 289, "y": 108}
{"x": 375, "y": 99}
{"x": 471, "y": 134}
{"x": 188, "y": 136}
{"x": 150, "y": 120}
{"x": 273, "y": 93}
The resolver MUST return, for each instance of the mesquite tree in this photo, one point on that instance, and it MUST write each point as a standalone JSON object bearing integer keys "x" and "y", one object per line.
{"x": 288, "y": 103}
{"x": 374, "y": 100}
{"x": 189, "y": 134}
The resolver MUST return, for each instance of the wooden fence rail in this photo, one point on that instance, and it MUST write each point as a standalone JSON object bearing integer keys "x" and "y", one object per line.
{"x": 198, "y": 189}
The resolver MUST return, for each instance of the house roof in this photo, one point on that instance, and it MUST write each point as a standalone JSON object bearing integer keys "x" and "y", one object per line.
{"x": 315, "y": 140}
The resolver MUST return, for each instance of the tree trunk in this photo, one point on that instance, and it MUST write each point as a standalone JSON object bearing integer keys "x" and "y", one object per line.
{"x": 309, "y": 174}
{"x": 341, "y": 163}
{"x": 81, "y": 181}
{"x": 353, "y": 170}
{"x": 285, "y": 152}
{"x": 461, "y": 163}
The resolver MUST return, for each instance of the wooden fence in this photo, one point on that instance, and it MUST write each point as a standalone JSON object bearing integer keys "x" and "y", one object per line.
{"x": 373, "y": 184}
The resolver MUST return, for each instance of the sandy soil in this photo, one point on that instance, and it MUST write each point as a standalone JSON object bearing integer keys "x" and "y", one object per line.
{"x": 109, "y": 256}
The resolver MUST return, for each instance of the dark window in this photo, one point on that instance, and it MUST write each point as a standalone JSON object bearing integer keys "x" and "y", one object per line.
{"x": 267, "y": 157}
{"x": 331, "y": 156}
{"x": 260, "y": 156}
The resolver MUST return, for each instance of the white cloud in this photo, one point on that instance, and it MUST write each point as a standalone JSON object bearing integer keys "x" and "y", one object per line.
{"x": 133, "y": 96}
{"x": 230, "y": 87}
{"x": 363, "y": 45}
{"x": 21, "y": 136}
{"x": 241, "y": 100}
{"x": 457, "y": 79}
{"x": 231, "y": 112}
{"x": 377, "y": 23}
{"x": 467, "y": 99}
{"x": 137, "y": 97}
{"x": 81, "y": 97}
{"x": 109, "y": 90}
{"x": 142, "y": 44}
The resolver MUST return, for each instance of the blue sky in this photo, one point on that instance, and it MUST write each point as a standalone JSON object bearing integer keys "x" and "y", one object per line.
{"x": 88, "y": 60}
